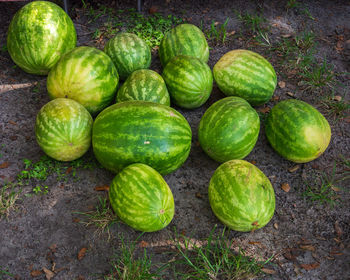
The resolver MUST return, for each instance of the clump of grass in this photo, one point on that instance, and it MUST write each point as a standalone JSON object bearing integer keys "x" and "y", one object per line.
{"x": 323, "y": 188}
{"x": 8, "y": 197}
{"x": 102, "y": 217}
{"x": 126, "y": 266}
{"x": 217, "y": 33}
{"x": 215, "y": 259}
{"x": 252, "y": 22}
{"x": 336, "y": 109}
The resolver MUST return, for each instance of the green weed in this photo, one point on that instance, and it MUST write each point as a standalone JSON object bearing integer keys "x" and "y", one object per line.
{"x": 217, "y": 32}
{"x": 102, "y": 217}
{"x": 9, "y": 194}
{"x": 252, "y": 22}
{"x": 126, "y": 266}
{"x": 41, "y": 190}
{"x": 336, "y": 109}
{"x": 292, "y": 4}
{"x": 3, "y": 48}
{"x": 215, "y": 259}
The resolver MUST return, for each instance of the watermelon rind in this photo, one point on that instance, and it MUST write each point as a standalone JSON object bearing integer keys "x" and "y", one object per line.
{"x": 141, "y": 132}
{"x": 38, "y": 35}
{"x": 189, "y": 81}
{"x": 128, "y": 53}
{"x": 86, "y": 75}
{"x": 241, "y": 196}
{"x": 184, "y": 39}
{"x": 297, "y": 131}
{"x": 141, "y": 198}
{"x": 63, "y": 129}
{"x": 246, "y": 74}
{"x": 229, "y": 129}
{"x": 145, "y": 85}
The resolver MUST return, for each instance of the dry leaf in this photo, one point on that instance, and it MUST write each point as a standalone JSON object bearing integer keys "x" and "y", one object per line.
{"x": 12, "y": 122}
{"x": 286, "y": 35}
{"x": 264, "y": 110}
{"x": 291, "y": 94}
{"x": 35, "y": 273}
{"x": 5, "y": 164}
{"x": 199, "y": 195}
{"x": 285, "y": 187}
{"x": 253, "y": 162}
{"x": 48, "y": 273}
{"x": 294, "y": 168}
{"x": 337, "y": 98}
{"x": 53, "y": 248}
{"x": 143, "y": 244}
{"x": 310, "y": 266}
{"x": 233, "y": 32}
{"x": 338, "y": 229}
{"x": 254, "y": 243}
{"x": 69, "y": 170}
{"x": 281, "y": 84}
{"x": 76, "y": 220}
{"x": 268, "y": 271}
{"x": 102, "y": 188}
{"x": 275, "y": 225}
{"x": 153, "y": 9}
{"x": 308, "y": 248}
{"x": 275, "y": 98}
{"x": 336, "y": 189}
{"x": 81, "y": 253}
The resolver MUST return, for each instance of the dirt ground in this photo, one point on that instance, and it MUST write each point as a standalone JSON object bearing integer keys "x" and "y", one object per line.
{"x": 307, "y": 239}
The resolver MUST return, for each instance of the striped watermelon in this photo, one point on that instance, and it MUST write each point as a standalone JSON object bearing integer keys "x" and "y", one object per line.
{"x": 86, "y": 75}
{"x": 39, "y": 33}
{"x": 144, "y": 84}
{"x": 189, "y": 81}
{"x": 144, "y": 132}
{"x": 241, "y": 196}
{"x": 297, "y": 131}
{"x": 63, "y": 129}
{"x": 245, "y": 74}
{"x": 141, "y": 198}
{"x": 128, "y": 53}
{"x": 229, "y": 129}
{"x": 186, "y": 39}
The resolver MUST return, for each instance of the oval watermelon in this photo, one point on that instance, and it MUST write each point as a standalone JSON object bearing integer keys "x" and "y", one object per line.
{"x": 63, "y": 129}
{"x": 241, "y": 196}
{"x": 38, "y": 35}
{"x": 229, "y": 129}
{"x": 144, "y": 132}
{"x": 297, "y": 131}
{"x": 141, "y": 198}
{"x": 189, "y": 81}
{"x": 128, "y": 53}
{"x": 86, "y": 75}
{"x": 245, "y": 74}
{"x": 186, "y": 39}
{"x": 146, "y": 85}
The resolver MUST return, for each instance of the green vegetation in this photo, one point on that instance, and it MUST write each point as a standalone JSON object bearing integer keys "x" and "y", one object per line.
{"x": 4, "y": 272}
{"x": 253, "y": 23}
{"x": 102, "y": 217}
{"x": 9, "y": 194}
{"x": 217, "y": 33}
{"x": 126, "y": 266}
{"x": 214, "y": 258}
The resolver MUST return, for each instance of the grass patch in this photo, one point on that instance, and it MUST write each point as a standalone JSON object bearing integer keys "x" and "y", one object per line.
{"x": 102, "y": 217}
{"x": 8, "y": 197}
{"x": 126, "y": 266}
{"x": 336, "y": 109}
{"x": 217, "y": 33}
{"x": 214, "y": 258}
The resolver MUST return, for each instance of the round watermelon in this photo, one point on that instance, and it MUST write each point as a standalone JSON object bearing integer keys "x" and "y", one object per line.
{"x": 143, "y": 132}
{"x": 189, "y": 81}
{"x": 63, "y": 129}
{"x": 146, "y": 85}
{"x": 297, "y": 131}
{"x": 245, "y": 74}
{"x": 229, "y": 129}
{"x": 128, "y": 53}
{"x": 86, "y": 75}
{"x": 186, "y": 39}
{"x": 141, "y": 198}
{"x": 38, "y": 35}
{"x": 241, "y": 196}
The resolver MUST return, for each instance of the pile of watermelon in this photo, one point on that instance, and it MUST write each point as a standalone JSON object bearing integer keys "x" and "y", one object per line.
{"x": 135, "y": 133}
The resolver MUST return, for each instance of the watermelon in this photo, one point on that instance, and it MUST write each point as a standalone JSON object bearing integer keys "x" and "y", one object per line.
{"x": 128, "y": 53}
{"x": 245, "y": 74}
{"x": 241, "y": 196}
{"x": 63, "y": 129}
{"x": 141, "y": 198}
{"x": 297, "y": 131}
{"x": 144, "y": 84}
{"x": 143, "y": 132}
{"x": 189, "y": 81}
{"x": 38, "y": 35}
{"x": 229, "y": 129}
{"x": 186, "y": 39}
{"x": 86, "y": 75}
